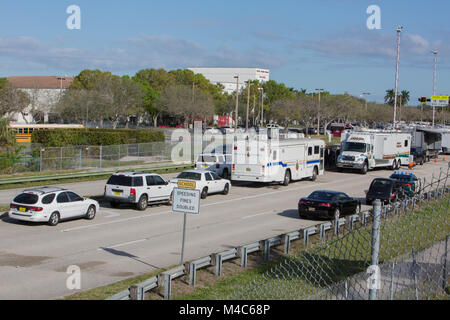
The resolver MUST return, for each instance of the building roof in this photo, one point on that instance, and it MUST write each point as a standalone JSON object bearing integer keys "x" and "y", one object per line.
{"x": 46, "y": 82}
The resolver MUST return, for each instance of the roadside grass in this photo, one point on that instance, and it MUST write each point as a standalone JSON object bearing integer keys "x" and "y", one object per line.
{"x": 102, "y": 293}
{"x": 80, "y": 179}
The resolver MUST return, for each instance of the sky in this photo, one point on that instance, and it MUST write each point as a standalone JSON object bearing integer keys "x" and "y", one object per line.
{"x": 304, "y": 43}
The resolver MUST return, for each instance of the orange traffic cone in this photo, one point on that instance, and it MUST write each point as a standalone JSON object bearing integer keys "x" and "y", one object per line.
{"x": 435, "y": 160}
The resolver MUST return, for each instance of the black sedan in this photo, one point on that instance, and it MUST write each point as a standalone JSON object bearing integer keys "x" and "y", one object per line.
{"x": 327, "y": 204}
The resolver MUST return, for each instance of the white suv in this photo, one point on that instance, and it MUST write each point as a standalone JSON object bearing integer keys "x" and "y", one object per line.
{"x": 138, "y": 188}
{"x": 51, "y": 205}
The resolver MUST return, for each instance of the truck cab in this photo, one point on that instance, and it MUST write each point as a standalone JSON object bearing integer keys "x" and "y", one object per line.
{"x": 356, "y": 153}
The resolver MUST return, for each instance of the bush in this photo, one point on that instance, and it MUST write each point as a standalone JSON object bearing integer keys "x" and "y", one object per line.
{"x": 94, "y": 137}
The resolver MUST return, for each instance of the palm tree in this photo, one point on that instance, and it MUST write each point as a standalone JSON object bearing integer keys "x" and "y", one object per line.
{"x": 405, "y": 97}
{"x": 390, "y": 97}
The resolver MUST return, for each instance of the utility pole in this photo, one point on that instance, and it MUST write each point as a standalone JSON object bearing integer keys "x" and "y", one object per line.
{"x": 365, "y": 94}
{"x": 237, "y": 102}
{"x": 399, "y": 30}
{"x": 248, "y": 105}
{"x": 434, "y": 81}
{"x": 262, "y": 106}
{"x": 318, "y": 114}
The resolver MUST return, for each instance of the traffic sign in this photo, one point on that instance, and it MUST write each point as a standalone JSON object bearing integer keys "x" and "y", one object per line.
{"x": 186, "y": 201}
{"x": 439, "y": 101}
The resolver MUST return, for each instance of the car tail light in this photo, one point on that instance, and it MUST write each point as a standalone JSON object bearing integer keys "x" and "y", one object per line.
{"x": 12, "y": 205}
{"x": 133, "y": 191}
{"x": 407, "y": 185}
{"x": 105, "y": 189}
{"x": 37, "y": 209}
{"x": 262, "y": 169}
{"x": 195, "y": 165}
{"x": 302, "y": 202}
{"x": 217, "y": 166}
{"x": 324, "y": 204}
{"x": 392, "y": 196}
{"x": 235, "y": 147}
{"x": 234, "y": 167}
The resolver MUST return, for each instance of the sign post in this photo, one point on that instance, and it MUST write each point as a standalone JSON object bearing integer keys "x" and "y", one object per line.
{"x": 185, "y": 200}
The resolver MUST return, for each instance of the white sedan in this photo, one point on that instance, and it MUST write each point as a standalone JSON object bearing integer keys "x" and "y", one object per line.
{"x": 51, "y": 205}
{"x": 205, "y": 181}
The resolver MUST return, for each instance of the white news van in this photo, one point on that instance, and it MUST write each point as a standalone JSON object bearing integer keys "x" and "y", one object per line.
{"x": 366, "y": 150}
{"x": 277, "y": 160}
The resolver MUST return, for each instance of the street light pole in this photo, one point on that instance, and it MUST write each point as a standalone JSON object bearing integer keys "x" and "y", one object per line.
{"x": 318, "y": 114}
{"x": 399, "y": 30}
{"x": 237, "y": 102}
{"x": 365, "y": 94}
{"x": 434, "y": 81}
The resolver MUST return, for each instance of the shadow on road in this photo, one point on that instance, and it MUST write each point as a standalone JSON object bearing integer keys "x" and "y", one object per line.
{"x": 128, "y": 255}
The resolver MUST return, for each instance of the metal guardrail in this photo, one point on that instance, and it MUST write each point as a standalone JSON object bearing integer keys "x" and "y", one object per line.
{"x": 164, "y": 279}
{"x": 191, "y": 268}
{"x": 84, "y": 174}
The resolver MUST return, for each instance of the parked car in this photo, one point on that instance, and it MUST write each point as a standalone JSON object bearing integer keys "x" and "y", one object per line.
{"x": 408, "y": 182}
{"x": 138, "y": 188}
{"x": 385, "y": 189}
{"x": 214, "y": 162}
{"x": 419, "y": 155}
{"x": 51, "y": 205}
{"x": 206, "y": 181}
{"x": 327, "y": 204}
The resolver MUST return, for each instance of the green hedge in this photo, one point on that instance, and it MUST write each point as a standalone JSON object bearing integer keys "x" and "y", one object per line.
{"x": 94, "y": 137}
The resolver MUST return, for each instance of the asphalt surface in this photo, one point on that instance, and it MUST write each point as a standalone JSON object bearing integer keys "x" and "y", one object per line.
{"x": 121, "y": 243}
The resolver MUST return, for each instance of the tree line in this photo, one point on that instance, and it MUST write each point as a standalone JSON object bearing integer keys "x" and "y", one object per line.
{"x": 156, "y": 96}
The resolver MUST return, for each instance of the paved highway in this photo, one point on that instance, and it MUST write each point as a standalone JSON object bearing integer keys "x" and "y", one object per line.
{"x": 120, "y": 243}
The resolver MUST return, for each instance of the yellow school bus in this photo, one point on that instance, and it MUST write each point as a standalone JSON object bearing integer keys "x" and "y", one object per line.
{"x": 24, "y": 131}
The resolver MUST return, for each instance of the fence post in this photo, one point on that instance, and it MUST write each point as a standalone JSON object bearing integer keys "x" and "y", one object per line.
{"x": 444, "y": 271}
{"x": 80, "y": 158}
{"x": 40, "y": 159}
{"x": 391, "y": 289}
{"x": 60, "y": 158}
{"x": 101, "y": 155}
{"x": 375, "y": 247}
{"x": 414, "y": 274}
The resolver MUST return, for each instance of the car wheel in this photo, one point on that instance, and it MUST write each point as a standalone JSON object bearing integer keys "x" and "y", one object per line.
{"x": 315, "y": 173}
{"x": 394, "y": 165}
{"x": 226, "y": 190}
{"x": 287, "y": 178}
{"x": 90, "y": 214}
{"x": 399, "y": 164}
{"x": 204, "y": 193}
{"x": 170, "y": 202}
{"x": 114, "y": 204}
{"x": 143, "y": 203}
{"x": 54, "y": 219}
{"x": 421, "y": 162}
{"x": 365, "y": 168}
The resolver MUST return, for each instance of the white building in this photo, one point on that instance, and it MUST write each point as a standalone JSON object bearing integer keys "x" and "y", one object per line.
{"x": 226, "y": 76}
{"x": 44, "y": 93}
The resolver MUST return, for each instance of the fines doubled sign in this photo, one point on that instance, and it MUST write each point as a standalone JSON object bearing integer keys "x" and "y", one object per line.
{"x": 186, "y": 201}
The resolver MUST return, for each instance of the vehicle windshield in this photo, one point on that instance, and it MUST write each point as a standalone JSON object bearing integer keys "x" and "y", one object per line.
{"x": 26, "y": 198}
{"x": 125, "y": 181}
{"x": 322, "y": 195}
{"x": 190, "y": 176}
{"x": 354, "y": 146}
{"x": 381, "y": 185}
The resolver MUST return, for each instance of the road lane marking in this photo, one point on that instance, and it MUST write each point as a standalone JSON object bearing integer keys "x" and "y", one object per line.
{"x": 121, "y": 244}
{"x": 258, "y": 214}
{"x": 204, "y": 205}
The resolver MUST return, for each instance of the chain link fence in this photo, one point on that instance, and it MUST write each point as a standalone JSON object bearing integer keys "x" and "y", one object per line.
{"x": 94, "y": 157}
{"x": 401, "y": 252}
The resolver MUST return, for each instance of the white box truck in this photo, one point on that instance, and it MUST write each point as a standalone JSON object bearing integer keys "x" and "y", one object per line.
{"x": 366, "y": 150}
{"x": 277, "y": 160}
